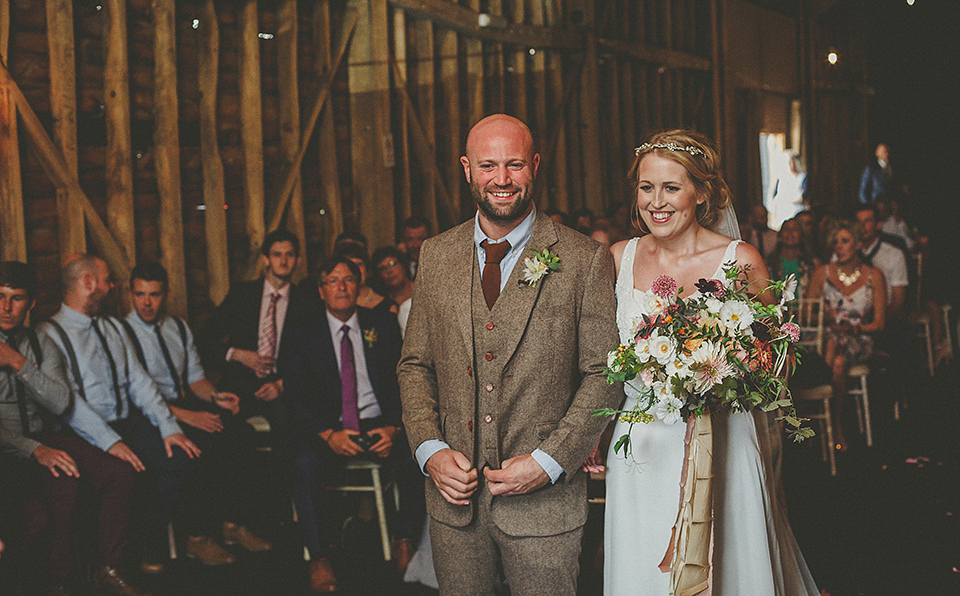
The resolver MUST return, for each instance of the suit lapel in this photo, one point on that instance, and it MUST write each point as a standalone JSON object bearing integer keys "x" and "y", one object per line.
{"x": 460, "y": 286}
{"x": 328, "y": 356}
{"x": 516, "y": 302}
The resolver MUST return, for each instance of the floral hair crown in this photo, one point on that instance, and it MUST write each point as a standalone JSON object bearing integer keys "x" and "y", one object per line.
{"x": 670, "y": 147}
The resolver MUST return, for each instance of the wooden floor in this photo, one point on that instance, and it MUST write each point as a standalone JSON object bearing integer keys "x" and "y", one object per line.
{"x": 886, "y": 524}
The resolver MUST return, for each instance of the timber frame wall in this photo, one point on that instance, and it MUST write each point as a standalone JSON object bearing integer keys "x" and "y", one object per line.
{"x": 183, "y": 131}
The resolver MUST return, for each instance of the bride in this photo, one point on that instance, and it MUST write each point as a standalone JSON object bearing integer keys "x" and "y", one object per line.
{"x": 681, "y": 195}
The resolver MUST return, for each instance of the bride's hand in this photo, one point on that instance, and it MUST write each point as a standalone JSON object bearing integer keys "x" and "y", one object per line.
{"x": 594, "y": 462}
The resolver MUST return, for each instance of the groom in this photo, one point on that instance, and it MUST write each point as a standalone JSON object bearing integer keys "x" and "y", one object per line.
{"x": 499, "y": 378}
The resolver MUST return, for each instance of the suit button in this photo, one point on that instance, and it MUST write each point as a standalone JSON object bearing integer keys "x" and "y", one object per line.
{"x": 489, "y": 356}
{"x": 489, "y": 325}
{"x": 469, "y": 371}
{"x": 470, "y": 426}
{"x": 488, "y": 418}
{"x": 489, "y": 387}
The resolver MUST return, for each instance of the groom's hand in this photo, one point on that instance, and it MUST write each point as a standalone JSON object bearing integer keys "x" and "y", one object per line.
{"x": 453, "y": 475}
{"x": 516, "y": 476}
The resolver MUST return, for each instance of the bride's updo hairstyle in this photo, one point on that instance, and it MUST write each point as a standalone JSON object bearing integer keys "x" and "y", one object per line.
{"x": 696, "y": 154}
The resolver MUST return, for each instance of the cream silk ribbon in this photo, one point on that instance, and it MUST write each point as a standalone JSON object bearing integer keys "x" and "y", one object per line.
{"x": 688, "y": 556}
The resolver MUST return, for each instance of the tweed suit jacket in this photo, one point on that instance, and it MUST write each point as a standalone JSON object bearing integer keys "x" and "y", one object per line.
{"x": 551, "y": 341}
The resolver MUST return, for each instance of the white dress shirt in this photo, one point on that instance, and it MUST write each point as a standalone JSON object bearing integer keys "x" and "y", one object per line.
{"x": 367, "y": 402}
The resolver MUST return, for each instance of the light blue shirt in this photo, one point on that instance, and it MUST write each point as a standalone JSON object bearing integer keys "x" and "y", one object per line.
{"x": 182, "y": 356}
{"x": 367, "y": 402}
{"x": 518, "y": 238}
{"x": 135, "y": 384}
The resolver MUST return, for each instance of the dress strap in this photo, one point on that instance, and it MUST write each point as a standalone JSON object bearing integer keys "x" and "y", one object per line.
{"x": 625, "y": 278}
{"x": 731, "y": 253}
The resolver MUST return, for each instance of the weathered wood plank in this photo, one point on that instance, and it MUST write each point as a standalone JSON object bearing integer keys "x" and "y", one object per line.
{"x": 54, "y": 165}
{"x": 13, "y": 240}
{"x": 326, "y": 141}
{"x": 450, "y": 96}
{"x": 557, "y": 163}
{"x": 517, "y": 60}
{"x": 251, "y": 125}
{"x": 214, "y": 194}
{"x": 539, "y": 80}
{"x": 371, "y": 141}
{"x": 166, "y": 137}
{"x": 596, "y": 196}
{"x": 286, "y": 40}
{"x": 426, "y": 96}
{"x": 464, "y": 20}
{"x": 119, "y": 164}
{"x": 63, "y": 105}
{"x": 655, "y": 55}
{"x": 402, "y": 146}
{"x": 475, "y": 83}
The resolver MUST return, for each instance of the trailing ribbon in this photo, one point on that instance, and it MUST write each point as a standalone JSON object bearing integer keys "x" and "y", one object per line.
{"x": 688, "y": 556}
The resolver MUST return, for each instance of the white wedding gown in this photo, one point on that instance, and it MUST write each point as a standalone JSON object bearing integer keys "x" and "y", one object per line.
{"x": 754, "y": 551}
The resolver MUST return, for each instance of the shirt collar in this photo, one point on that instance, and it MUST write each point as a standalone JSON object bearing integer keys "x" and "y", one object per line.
{"x": 336, "y": 324}
{"x": 69, "y": 315}
{"x": 518, "y": 236}
{"x": 134, "y": 317}
{"x": 268, "y": 289}
{"x": 868, "y": 249}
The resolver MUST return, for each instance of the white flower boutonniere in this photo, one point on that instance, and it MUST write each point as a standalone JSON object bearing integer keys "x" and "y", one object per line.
{"x": 535, "y": 268}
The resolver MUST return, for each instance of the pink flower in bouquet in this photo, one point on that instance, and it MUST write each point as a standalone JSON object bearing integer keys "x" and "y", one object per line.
{"x": 646, "y": 375}
{"x": 791, "y": 330}
{"x": 664, "y": 287}
{"x": 711, "y": 287}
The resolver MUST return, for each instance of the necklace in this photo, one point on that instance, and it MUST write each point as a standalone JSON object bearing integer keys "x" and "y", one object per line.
{"x": 848, "y": 280}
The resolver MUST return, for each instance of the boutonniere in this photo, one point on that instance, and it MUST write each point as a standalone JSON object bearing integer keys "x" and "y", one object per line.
{"x": 370, "y": 336}
{"x": 536, "y": 267}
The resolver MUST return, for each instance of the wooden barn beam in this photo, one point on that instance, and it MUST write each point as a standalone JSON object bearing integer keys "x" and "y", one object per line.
{"x": 662, "y": 56}
{"x": 715, "y": 74}
{"x": 465, "y": 20}
{"x": 52, "y": 162}
{"x": 595, "y": 196}
{"x": 214, "y": 193}
{"x": 557, "y": 145}
{"x": 426, "y": 99}
{"x": 287, "y": 25}
{"x": 539, "y": 80}
{"x": 517, "y": 58}
{"x": 292, "y": 173}
{"x": 553, "y": 155}
{"x": 251, "y": 125}
{"x": 326, "y": 140}
{"x": 371, "y": 144}
{"x": 473, "y": 48}
{"x": 425, "y": 151}
{"x": 450, "y": 97}
{"x": 166, "y": 139}
{"x": 119, "y": 161}
{"x": 402, "y": 145}
{"x": 13, "y": 238}
{"x": 63, "y": 105}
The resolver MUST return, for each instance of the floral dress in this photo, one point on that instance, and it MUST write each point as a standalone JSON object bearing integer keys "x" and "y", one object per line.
{"x": 856, "y": 309}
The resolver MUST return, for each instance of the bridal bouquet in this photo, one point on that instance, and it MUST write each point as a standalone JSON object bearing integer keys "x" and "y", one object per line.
{"x": 718, "y": 348}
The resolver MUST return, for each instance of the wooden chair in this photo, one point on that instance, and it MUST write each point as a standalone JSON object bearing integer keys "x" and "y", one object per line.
{"x": 377, "y": 487}
{"x": 808, "y": 314}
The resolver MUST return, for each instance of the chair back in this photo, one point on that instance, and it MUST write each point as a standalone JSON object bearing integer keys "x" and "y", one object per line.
{"x": 808, "y": 314}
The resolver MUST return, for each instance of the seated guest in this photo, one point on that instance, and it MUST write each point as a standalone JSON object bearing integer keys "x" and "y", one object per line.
{"x": 351, "y": 238}
{"x": 892, "y": 223}
{"x": 45, "y": 465}
{"x": 415, "y": 230}
{"x": 880, "y": 253}
{"x": 854, "y": 298}
{"x": 103, "y": 370}
{"x": 393, "y": 276}
{"x": 756, "y": 233}
{"x": 367, "y": 297}
{"x": 242, "y": 339}
{"x": 340, "y": 370}
{"x": 790, "y": 256}
{"x": 221, "y": 487}
{"x": 557, "y": 216}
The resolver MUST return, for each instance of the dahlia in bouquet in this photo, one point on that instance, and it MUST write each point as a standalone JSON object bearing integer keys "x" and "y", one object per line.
{"x": 718, "y": 348}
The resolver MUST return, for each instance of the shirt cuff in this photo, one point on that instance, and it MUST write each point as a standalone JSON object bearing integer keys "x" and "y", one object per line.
{"x": 426, "y": 450}
{"x": 549, "y": 465}
{"x": 229, "y": 354}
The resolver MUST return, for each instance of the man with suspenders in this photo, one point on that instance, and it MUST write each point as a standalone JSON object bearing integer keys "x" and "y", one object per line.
{"x": 218, "y": 489}
{"x": 45, "y": 463}
{"x": 104, "y": 371}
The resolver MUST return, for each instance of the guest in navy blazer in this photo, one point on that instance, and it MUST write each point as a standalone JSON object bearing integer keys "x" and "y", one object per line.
{"x": 234, "y": 343}
{"x": 312, "y": 361}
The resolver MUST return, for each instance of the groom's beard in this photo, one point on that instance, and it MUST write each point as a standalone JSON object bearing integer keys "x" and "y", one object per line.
{"x": 503, "y": 213}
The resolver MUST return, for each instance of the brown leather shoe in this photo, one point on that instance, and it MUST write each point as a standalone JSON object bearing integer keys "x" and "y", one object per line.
{"x": 402, "y": 550}
{"x": 322, "y": 578}
{"x": 207, "y": 551}
{"x": 237, "y": 534}
{"x": 109, "y": 582}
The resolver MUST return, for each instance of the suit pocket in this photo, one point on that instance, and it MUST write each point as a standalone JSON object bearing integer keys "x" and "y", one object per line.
{"x": 544, "y": 429}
